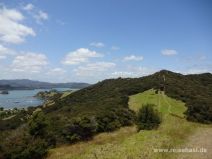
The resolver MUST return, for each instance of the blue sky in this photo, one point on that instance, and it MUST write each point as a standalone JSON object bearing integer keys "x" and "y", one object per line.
{"x": 88, "y": 41}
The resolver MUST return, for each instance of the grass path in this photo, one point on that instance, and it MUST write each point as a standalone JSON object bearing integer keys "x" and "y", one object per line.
{"x": 169, "y": 105}
{"x": 127, "y": 143}
{"x": 159, "y": 102}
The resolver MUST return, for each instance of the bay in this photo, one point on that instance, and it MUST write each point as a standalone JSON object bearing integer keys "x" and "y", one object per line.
{"x": 23, "y": 98}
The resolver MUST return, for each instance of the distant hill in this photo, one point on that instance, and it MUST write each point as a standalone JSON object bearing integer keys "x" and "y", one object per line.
{"x": 5, "y": 87}
{"x": 30, "y": 84}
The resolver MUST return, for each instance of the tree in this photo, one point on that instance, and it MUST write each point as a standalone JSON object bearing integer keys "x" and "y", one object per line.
{"x": 148, "y": 118}
{"x": 38, "y": 124}
{"x": 80, "y": 129}
{"x": 20, "y": 144}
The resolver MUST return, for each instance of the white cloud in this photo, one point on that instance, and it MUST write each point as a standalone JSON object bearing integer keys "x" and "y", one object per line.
{"x": 56, "y": 71}
{"x": 122, "y": 74}
{"x": 93, "y": 69}
{"x": 133, "y": 72}
{"x": 143, "y": 71}
{"x": 36, "y": 13}
{"x": 28, "y": 7}
{"x": 11, "y": 28}
{"x": 29, "y": 62}
{"x": 115, "y": 48}
{"x": 4, "y": 52}
{"x": 97, "y": 44}
{"x": 133, "y": 58}
{"x": 80, "y": 55}
{"x": 196, "y": 71}
{"x": 41, "y": 16}
{"x": 169, "y": 52}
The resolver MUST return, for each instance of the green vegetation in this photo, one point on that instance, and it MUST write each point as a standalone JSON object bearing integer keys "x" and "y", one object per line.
{"x": 8, "y": 113}
{"x": 195, "y": 91}
{"x": 22, "y": 146}
{"x": 66, "y": 93}
{"x": 37, "y": 124}
{"x": 13, "y": 118}
{"x": 80, "y": 129}
{"x": 51, "y": 96}
{"x": 103, "y": 107}
{"x": 30, "y": 141}
{"x": 128, "y": 143}
{"x": 148, "y": 117}
{"x": 48, "y": 94}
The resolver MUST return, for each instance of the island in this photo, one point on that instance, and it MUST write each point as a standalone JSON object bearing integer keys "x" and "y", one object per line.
{"x": 4, "y": 92}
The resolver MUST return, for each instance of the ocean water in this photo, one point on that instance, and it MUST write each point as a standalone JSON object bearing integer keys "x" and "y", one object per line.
{"x": 23, "y": 98}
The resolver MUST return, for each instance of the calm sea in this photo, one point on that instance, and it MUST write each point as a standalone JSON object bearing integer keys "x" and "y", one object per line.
{"x": 23, "y": 98}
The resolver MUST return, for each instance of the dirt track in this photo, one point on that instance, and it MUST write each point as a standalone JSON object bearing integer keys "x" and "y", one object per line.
{"x": 200, "y": 139}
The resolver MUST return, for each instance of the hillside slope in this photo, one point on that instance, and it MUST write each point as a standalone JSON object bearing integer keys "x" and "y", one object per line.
{"x": 174, "y": 132}
{"x": 194, "y": 90}
{"x": 103, "y": 107}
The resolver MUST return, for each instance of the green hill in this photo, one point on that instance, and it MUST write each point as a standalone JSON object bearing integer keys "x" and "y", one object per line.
{"x": 102, "y": 107}
{"x": 194, "y": 90}
{"x": 128, "y": 143}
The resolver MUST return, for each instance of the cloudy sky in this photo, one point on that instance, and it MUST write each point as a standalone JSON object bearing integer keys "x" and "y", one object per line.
{"x": 88, "y": 41}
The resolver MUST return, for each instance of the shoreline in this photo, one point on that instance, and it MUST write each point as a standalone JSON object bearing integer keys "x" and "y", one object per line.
{"x": 37, "y": 100}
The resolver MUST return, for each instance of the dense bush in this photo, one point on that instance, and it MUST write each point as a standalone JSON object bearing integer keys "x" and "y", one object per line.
{"x": 29, "y": 141}
{"x": 15, "y": 119}
{"x": 83, "y": 128}
{"x": 37, "y": 124}
{"x": 108, "y": 122}
{"x": 40, "y": 127}
{"x": 199, "y": 110}
{"x": 80, "y": 129}
{"x": 195, "y": 91}
{"x": 115, "y": 118}
{"x": 148, "y": 117}
{"x": 36, "y": 149}
{"x": 21, "y": 145}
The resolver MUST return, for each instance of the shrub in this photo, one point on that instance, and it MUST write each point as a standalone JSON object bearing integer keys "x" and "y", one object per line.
{"x": 108, "y": 122}
{"x": 126, "y": 116}
{"x": 80, "y": 129}
{"x": 114, "y": 118}
{"x": 37, "y": 149}
{"x": 20, "y": 144}
{"x": 199, "y": 111}
{"x": 148, "y": 118}
{"x": 37, "y": 124}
